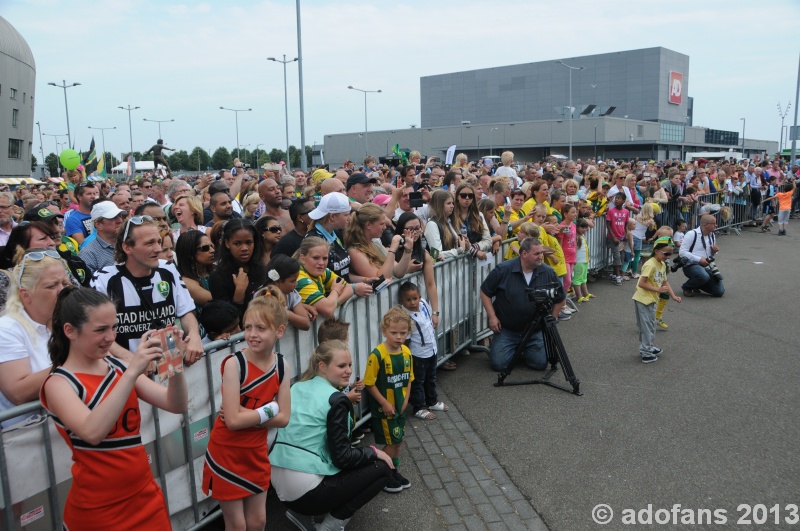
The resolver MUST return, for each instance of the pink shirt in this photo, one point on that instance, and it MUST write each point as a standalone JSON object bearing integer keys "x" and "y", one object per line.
{"x": 618, "y": 219}
{"x": 568, "y": 242}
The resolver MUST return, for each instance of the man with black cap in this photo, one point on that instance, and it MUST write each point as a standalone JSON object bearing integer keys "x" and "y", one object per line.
{"x": 68, "y": 250}
{"x": 291, "y": 240}
{"x": 359, "y": 188}
{"x": 107, "y": 218}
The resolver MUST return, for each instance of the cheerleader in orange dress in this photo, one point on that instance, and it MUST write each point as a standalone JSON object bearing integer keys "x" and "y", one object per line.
{"x": 255, "y": 399}
{"x": 94, "y": 400}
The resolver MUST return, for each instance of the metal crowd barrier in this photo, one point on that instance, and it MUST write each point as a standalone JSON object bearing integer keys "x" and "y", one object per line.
{"x": 35, "y": 462}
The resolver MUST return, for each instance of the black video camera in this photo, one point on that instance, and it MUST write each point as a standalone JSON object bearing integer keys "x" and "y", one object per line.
{"x": 542, "y": 296}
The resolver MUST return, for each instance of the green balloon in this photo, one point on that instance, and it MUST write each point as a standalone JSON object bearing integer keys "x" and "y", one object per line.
{"x": 70, "y": 159}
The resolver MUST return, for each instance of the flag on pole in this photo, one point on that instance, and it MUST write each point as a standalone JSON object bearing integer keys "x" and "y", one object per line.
{"x": 451, "y": 152}
{"x": 101, "y": 166}
{"x": 90, "y": 160}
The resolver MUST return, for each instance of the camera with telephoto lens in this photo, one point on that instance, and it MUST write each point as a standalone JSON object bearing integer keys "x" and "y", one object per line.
{"x": 712, "y": 269}
{"x": 542, "y": 296}
{"x": 678, "y": 263}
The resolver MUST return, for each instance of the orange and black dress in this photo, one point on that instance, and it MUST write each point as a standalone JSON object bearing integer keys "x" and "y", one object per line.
{"x": 237, "y": 465}
{"x": 112, "y": 485}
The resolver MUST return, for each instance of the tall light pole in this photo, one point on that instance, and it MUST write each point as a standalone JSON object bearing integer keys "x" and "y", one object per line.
{"x": 285, "y": 101}
{"x": 571, "y": 68}
{"x": 130, "y": 125}
{"x": 257, "y": 146}
{"x": 744, "y": 123}
{"x": 66, "y": 106}
{"x": 41, "y": 146}
{"x": 491, "y": 139}
{"x": 782, "y": 113}
{"x": 103, "y": 135}
{"x": 159, "y": 122}
{"x": 366, "y": 129}
{"x": 58, "y": 159}
{"x": 303, "y": 161}
{"x": 236, "y": 112}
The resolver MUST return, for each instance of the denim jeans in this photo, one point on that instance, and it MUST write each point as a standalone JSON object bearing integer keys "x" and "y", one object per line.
{"x": 698, "y": 278}
{"x": 423, "y": 388}
{"x": 505, "y": 344}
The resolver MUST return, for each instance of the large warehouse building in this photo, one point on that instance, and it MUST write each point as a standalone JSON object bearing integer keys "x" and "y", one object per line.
{"x": 624, "y": 104}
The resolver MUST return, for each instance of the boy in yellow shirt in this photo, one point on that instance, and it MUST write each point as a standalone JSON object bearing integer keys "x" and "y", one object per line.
{"x": 651, "y": 284}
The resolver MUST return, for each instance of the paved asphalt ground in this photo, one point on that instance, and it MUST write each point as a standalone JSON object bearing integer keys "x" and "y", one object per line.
{"x": 712, "y": 425}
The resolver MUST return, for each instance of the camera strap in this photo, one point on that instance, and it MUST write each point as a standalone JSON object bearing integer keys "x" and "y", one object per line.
{"x": 699, "y": 234}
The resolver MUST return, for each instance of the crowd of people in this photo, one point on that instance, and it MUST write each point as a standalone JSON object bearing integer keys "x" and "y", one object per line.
{"x": 90, "y": 270}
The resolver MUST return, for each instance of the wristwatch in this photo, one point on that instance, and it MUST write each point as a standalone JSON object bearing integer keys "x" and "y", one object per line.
{"x": 436, "y": 314}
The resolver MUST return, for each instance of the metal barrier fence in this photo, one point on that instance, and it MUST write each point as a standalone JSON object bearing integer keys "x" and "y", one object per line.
{"x": 35, "y": 461}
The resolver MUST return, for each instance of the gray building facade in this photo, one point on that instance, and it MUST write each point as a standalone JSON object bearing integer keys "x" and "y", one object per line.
{"x": 17, "y": 88}
{"x": 635, "y": 83}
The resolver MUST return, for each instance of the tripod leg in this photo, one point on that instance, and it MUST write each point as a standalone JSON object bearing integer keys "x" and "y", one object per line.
{"x": 531, "y": 329}
{"x": 557, "y": 353}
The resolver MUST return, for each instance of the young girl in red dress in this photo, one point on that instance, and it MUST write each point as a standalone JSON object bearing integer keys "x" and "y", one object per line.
{"x": 255, "y": 398}
{"x": 94, "y": 400}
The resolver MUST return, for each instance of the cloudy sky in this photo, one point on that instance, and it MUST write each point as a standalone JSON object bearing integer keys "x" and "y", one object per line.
{"x": 183, "y": 61}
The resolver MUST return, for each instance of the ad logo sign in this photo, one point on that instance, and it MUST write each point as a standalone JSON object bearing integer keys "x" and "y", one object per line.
{"x": 675, "y": 88}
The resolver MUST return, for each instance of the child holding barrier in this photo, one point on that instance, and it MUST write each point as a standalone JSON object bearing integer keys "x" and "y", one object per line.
{"x": 255, "y": 399}
{"x": 94, "y": 400}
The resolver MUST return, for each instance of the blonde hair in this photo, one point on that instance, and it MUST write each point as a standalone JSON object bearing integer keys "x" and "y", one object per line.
{"x": 507, "y": 157}
{"x": 324, "y": 353}
{"x": 529, "y": 229}
{"x": 646, "y": 214}
{"x": 194, "y": 205}
{"x": 249, "y": 200}
{"x": 354, "y": 233}
{"x": 396, "y": 315}
{"x": 269, "y": 307}
{"x": 32, "y": 274}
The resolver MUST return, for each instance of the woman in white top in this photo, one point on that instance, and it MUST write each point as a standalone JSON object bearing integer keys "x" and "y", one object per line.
{"x": 189, "y": 213}
{"x": 443, "y": 241}
{"x": 38, "y": 278}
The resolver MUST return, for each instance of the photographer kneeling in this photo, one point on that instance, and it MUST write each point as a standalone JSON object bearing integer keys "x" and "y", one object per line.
{"x": 511, "y": 311}
{"x": 697, "y": 258}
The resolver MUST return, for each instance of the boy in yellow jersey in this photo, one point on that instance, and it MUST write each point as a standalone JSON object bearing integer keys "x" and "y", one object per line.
{"x": 553, "y": 253}
{"x": 388, "y": 380}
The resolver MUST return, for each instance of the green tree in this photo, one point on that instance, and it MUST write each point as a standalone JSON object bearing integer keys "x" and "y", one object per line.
{"x": 309, "y": 154}
{"x": 179, "y": 160}
{"x": 51, "y": 161}
{"x": 199, "y": 159}
{"x": 259, "y": 157}
{"x": 221, "y": 159}
{"x": 110, "y": 160}
{"x": 277, "y": 155}
{"x": 145, "y": 156}
{"x": 34, "y": 162}
{"x": 245, "y": 156}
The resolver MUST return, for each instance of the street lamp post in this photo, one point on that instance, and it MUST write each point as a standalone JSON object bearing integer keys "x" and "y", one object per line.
{"x": 744, "y": 123}
{"x": 130, "y": 126}
{"x": 66, "y": 106}
{"x": 782, "y": 113}
{"x": 303, "y": 161}
{"x": 41, "y": 146}
{"x": 366, "y": 129}
{"x": 103, "y": 136}
{"x": 236, "y": 112}
{"x": 159, "y": 122}
{"x": 571, "y": 68}
{"x": 491, "y": 139}
{"x": 285, "y": 101}
{"x": 58, "y": 159}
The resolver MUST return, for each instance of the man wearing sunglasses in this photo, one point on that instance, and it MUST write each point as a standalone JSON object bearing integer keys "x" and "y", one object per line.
{"x": 148, "y": 293}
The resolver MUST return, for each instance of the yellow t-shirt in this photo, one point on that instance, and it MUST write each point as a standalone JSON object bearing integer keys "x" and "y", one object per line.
{"x": 314, "y": 289}
{"x": 550, "y": 241}
{"x": 656, "y": 274}
{"x": 528, "y": 205}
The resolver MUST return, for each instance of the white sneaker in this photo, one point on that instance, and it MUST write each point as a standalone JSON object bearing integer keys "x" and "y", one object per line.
{"x": 567, "y": 310}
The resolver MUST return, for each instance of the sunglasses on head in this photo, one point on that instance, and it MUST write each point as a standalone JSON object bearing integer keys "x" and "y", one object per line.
{"x": 274, "y": 229}
{"x": 135, "y": 220}
{"x": 466, "y": 196}
{"x": 36, "y": 256}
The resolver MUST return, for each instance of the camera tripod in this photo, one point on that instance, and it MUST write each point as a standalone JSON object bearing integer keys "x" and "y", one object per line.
{"x": 553, "y": 346}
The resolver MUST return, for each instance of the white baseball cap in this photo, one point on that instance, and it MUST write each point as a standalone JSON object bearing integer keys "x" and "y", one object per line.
{"x": 105, "y": 210}
{"x": 332, "y": 203}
